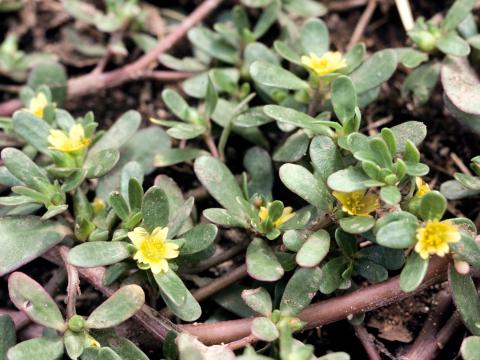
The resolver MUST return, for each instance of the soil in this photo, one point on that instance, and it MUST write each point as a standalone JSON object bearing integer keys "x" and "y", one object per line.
{"x": 394, "y": 326}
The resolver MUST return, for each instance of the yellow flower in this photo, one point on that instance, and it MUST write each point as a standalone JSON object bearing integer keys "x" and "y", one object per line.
{"x": 153, "y": 249}
{"x": 330, "y": 62}
{"x": 422, "y": 187}
{"x": 37, "y": 105}
{"x": 287, "y": 214}
{"x": 434, "y": 238}
{"x": 98, "y": 205}
{"x": 74, "y": 141}
{"x": 91, "y": 342}
{"x": 357, "y": 202}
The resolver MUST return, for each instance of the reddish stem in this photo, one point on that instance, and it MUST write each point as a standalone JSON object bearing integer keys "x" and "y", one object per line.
{"x": 93, "y": 82}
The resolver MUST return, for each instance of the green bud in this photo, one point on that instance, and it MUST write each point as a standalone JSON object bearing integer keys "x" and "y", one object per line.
{"x": 98, "y": 235}
{"x": 276, "y": 315}
{"x": 391, "y": 179}
{"x": 302, "y": 96}
{"x": 279, "y": 95}
{"x": 425, "y": 40}
{"x": 76, "y": 323}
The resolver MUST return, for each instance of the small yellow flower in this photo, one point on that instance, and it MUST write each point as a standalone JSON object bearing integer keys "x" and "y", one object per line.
{"x": 330, "y": 62}
{"x": 74, "y": 141}
{"x": 153, "y": 249}
{"x": 287, "y": 214}
{"x": 357, "y": 203}
{"x": 434, "y": 237}
{"x": 422, "y": 187}
{"x": 37, "y": 105}
{"x": 91, "y": 342}
{"x": 98, "y": 205}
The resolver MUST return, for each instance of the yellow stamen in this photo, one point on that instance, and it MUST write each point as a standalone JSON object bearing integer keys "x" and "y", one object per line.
{"x": 152, "y": 248}
{"x": 74, "y": 141}
{"x": 357, "y": 203}
{"x": 435, "y": 237}
{"x": 422, "y": 187}
{"x": 37, "y": 105}
{"x": 329, "y": 63}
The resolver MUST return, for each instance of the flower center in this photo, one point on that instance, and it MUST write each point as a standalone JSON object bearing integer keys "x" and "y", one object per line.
{"x": 153, "y": 249}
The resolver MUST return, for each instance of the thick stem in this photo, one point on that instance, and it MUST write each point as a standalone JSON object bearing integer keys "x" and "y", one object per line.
{"x": 73, "y": 287}
{"x": 367, "y": 342}
{"x": 426, "y": 339}
{"x": 326, "y": 311}
{"x": 93, "y": 82}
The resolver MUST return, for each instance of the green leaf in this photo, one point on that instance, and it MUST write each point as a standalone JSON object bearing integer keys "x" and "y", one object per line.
{"x": 42, "y": 348}
{"x": 457, "y": 13}
{"x": 118, "y": 134}
{"x": 258, "y": 300}
{"x": 314, "y": 37}
{"x": 31, "y": 298}
{"x": 220, "y": 183}
{"x": 467, "y": 249}
{"x": 305, "y": 8}
{"x": 468, "y": 181}
{"x": 348, "y": 180}
{"x": 8, "y": 338}
{"x": 119, "y": 205}
{"x": 284, "y": 50}
{"x": 101, "y": 163}
{"x": 24, "y": 169}
{"x": 371, "y": 271}
{"x": 198, "y": 238}
{"x": 182, "y": 214}
{"x": 413, "y": 272}
{"x": 399, "y": 234}
{"x": 24, "y": 238}
{"x": 123, "y": 347}
{"x": 297, "y": 118}
{"x": 415, "y": 131}
{"x": 377, "y": 69}
{"x": 74, "y": 343}
{"x": 222, "y": 217}
{"x": 264, "y": 329}
{"x": 461, "y": 91}
{"x": 390, "y": 195}
{"x": 176, "y": 156}
{"x": 303, "y": 183}
{"x": 332, "y": 274}
{"x": 272, "y": 75}
{"x": 410, "y": 58}
{"x": 325, "y": 156}
{"x": 432, "y": 206}
{"x": 186, "y": 131}
{"x": 99, "y": 253}
{"x": 314, "y": 250}
{"x": 120, "y": 306}
{"x": 213, "y": 44}
{"x": 34, "y": 131}
{"x": 267, "y": 18}
{"x": 262, "y": 263}
{"x": 300, "y": 290}
{"x": 252, "y": 117}
{"x": 452, "y": 44}
{"x": 470, "y": 348}
{"x": 357, "y": 224}
{"x": 176, "y": 104}
{"x": 466, "y": 299}
{"x": 293, "y": 149}
{"x": 211, "y": 98}
{"x": 258, "y": 164}
{"x": 335, "y": 356}
{"x": 177, "y": 297}
{"x": 54, "y": 76}
{"x": 344, "y": 98}
{"x": 155, "y": 209}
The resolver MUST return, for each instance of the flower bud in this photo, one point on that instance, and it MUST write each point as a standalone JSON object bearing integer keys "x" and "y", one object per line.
{"x": 76, "y": 323}
{"x": 424, "y": 40}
